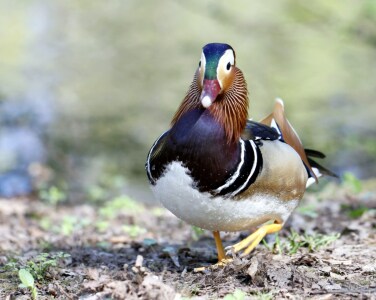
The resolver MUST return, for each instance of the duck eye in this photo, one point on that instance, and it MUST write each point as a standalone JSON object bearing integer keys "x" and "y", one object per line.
{"x": 228, "y": 66}
{"x": 199, "y": 64}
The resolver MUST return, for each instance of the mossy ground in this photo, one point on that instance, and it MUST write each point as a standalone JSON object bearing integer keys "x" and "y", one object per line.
{"x": 121, "y": 249}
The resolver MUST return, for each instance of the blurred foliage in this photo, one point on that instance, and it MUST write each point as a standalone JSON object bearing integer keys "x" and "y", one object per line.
{"x": 105, "y": 187}
{"x": 351, "y": 182}
{"x": 119, "y": 70}
{"x": 118, "y": 205}
{"x": 134, "y": 230}
{"x": 53, "y": 195}
{"x": 236, "y": 295}
{"x": 354, "y": 212}
{"x": 307, "y": 210}
{"x": 197, "y": 232}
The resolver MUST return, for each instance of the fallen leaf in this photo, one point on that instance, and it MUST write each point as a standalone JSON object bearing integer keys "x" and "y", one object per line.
{"x": 92, "y": 274}
{"x": 252, "y": 270}
{"x": 369, "y": 268}
{"x": 337, "y": 276}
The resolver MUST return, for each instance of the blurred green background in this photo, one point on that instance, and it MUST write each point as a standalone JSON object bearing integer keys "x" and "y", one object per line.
{"x": 87, "y": 86}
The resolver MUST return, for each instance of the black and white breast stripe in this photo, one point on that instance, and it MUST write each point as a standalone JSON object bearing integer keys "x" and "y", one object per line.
{"x": 147, "y": 165}
{"x": 246, "y": 171}
{"x": 249, "y": 167}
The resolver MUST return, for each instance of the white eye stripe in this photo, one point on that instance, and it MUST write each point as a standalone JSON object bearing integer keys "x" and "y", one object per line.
{"x": 202, "y": 66}
{"x": 202, "y": 61}
{"x": 227, "y": 57}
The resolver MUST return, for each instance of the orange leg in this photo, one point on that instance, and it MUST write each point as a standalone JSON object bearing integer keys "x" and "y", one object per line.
{"x": 218, "y": 244}
{"x": 222, "y": 259}
{"x": 248, "y": 244}
{"x": 254, "y": 239}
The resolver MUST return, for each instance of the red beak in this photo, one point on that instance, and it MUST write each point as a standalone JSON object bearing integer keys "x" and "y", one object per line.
{"x": 210, "y": 91}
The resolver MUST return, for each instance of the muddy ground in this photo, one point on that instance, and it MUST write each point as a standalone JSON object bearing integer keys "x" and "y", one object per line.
{"x": 121, "y": 249}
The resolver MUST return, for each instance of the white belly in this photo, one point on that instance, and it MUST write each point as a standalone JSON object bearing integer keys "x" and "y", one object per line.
{"x": 174, "y": 190}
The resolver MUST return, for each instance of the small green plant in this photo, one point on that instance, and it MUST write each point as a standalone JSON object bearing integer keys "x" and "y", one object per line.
{"x": 308, "y": 210}
{"x": 122, "y": 203}
{"x": 277, "y": 245}
{"x": 264, "y": 296}
{"x": 104, "y": 245}
{"x": 134, "y": 230}
{"x": 97, "y": 193}
{"x": 42, "y": 263}
{"x": 312, "y": 242}
{"x": 296, "y": 241}
{"x": 194, "y": 290}
{"x": 108, "y": 184}
{"x": 157, "y": 211}
{"x": 197, "y": 232}
{"x": 27, "y": 281}
{"x": 237, "y": 295}
{"x": 45, "y": 223}
{"x": 351, "y": 182}
{"x": 70, "y": 224}
{"x": 353, "y": 211}
{"x": 53, "y": 195}
{"x": 118, "y": 205}
{"x": 12, "y": 265}
{"x": 102, "y": 226}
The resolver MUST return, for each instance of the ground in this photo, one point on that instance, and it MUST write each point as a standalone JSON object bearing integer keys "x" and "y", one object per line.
{"x": 121, "y": 249}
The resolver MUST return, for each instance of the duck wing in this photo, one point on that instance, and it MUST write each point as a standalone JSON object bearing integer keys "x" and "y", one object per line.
{"x": 278, "y": 120}
{"x": 258, "y": 131}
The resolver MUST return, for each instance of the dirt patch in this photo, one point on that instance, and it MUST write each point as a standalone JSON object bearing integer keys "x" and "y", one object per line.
{"x": 124, "y": 250}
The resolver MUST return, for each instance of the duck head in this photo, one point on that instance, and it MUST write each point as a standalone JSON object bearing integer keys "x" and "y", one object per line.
{"x": 219, "y": 88}
{"x": 216, "y": 71}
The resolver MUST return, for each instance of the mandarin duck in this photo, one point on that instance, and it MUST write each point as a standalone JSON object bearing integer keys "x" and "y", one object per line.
{"x": 219, "y": 171}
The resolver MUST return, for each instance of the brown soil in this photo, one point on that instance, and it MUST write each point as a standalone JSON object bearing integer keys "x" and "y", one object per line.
{"x": 142, "y": 252}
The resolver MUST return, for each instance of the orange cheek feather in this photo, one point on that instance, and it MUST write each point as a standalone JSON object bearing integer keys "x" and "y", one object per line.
{"x": 226, "y": 79}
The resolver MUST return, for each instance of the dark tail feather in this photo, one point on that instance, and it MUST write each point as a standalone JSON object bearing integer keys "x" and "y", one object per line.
{"x": 314, "y": 153}
{"x": 322, "y": 169}
{"x": 317, "y": 154}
